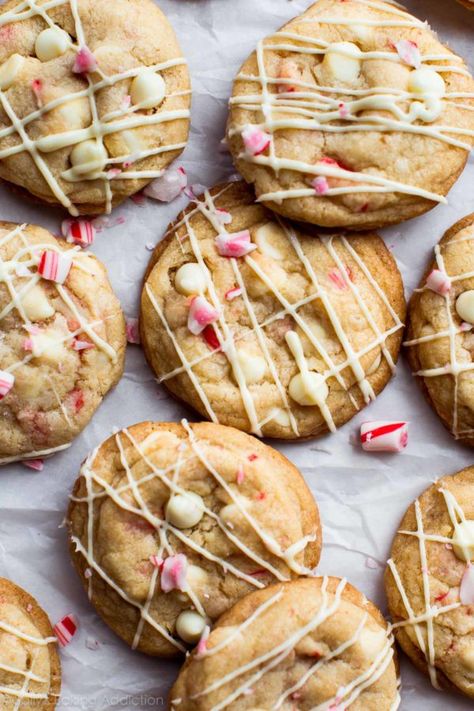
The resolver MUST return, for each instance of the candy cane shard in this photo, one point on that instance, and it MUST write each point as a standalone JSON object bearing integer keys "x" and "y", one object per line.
{"x": 409, "y": 53}
{"x": 255, "y": 140}
{"x": 173, "y": 573}
{"x": 169, "y": 186}
{"x": 55, "y": 266}
{"x": 201, "y": 314}
{"x": 80, "y": 232}
{"x": 439, "y": 282}
{"x": 85, "y": 61}
{"x": 7, "y": 381}
{"x": 236, "y": 244}
{"x": 65, "y": 629}
{"x": 384, "y": 436}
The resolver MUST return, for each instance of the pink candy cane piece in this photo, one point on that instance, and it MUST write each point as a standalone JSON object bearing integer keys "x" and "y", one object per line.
{"x": 201, "y": 314}
{"x": 439, "y": 282}
{"x": 6, "y": 383}
{"x": 202, "y": 644}
{"x": 37, "y": 89}
{"x": 54, "y": 266}
{"x": 80, "y": 232}
{"x": 466, "y": 591}
{"x": 384, "y": 436}
{"x": 169, "y": 186}
{"x": 66, "y": 629}
{"x": 236, "y": 244}
{"x": 343, "y": 110}
{"x": 173, "y": 573}
{"x": 79, "y": 345}
{"x": 233, "y": 293}
{"x": 85, "y": 61}
{"x": 409, "y": 53}
{"x": 36, "y": 464}
{"x": 321, "y": 185}
{"x": 133, "y": 332}
{"x": 240, "y": 475}
{"x": 255, "y": 140}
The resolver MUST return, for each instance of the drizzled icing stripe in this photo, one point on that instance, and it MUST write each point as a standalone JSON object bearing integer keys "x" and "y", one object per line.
{"x": 99, "y": 127}
{"x": 227, "y": 339}
{"x": 302, "y": 111}
{"x": 98, "y": 488}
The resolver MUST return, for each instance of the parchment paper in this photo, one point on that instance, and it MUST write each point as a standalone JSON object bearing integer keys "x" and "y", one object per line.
{"x": 361, "y": 496}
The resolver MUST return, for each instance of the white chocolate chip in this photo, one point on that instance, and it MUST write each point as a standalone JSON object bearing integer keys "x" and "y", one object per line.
{"x": 51, "y": 43}
{"x": 463, "y": 540}
{"x": 371, "y": 642}
{"x": 185, "y": 510}
{"x": 253, "y": 367}
{"x": 465, "y": 306}
{"x": 342, "y": 61}
{"x": 426, "y": 81}
{"x": 36, "y": 304}
{"x": 190, "y": 626}
{"x": 148, "y": 89}
{"x": 89, "y": 157}
{"x": 190, "y": 279}
{"x": 9, "y": 71}
{"x": 281, "y": 417}
{"x": 49, "y": 346}
{"x": 308, "y": 389}
{"x": 269, "y": 237}
{"x": 362, "y": 32}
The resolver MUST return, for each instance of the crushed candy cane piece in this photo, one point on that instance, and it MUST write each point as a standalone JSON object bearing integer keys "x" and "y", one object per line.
{"x": 202, "y": 644}
{"x": 133, "y": 331}
{"x": 65, "y": 629}
{"x": 240, "y": 475}
{"x": 84, "y": 62}
{"x": 233, "y": 293}
{"x": 252, "y": 457}
{"x": 288, "y": 73}
{"x": 439, "y": 282}
{"x": 343, "y": 110}
{"x": 337, "y": 279}
{"x": 36, "y": 464}
{"x": 169, "y": 186}
{"x": 320, "y": 185}
{"x": 173, "y": 573}
{"x": 6, "y": 383}
{"x": 113, "y": 173}
{"x": 88, "y": 573}
{"x": 255, "y": 140}
{"x": 37, "y": 89}
{"x": 210, "y": 336}
{"x": 371, "y": 563}
{"x": 54, "y": 266}
{"x": 235, "y": 244}
{"x": 79, "y": 345}
{"x": 201, "y": 314}
{"x": 384, "y": 436}
{"x": 80, "y": 232}
{"x": 224, "y": 217}
{"x": 466, "y": 591}
{"x": 409, "y": 53}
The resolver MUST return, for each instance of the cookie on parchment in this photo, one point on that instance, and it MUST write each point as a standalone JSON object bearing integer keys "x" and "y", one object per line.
{"x": 94, "y": 104}
{"x": 342, "y": 117}
{"x": 440, "y": 338}
{"x": 430, "y": 582}
{"x": 267, "y": 326}
{"x": 312, "y": 643}
{"x": 63, "y": 341}
{"x": 170, "y": 524}
{"x": 30, "y": 669}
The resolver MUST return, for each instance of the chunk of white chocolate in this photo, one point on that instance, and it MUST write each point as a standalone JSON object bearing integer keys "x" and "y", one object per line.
{"x": 148, "y": 89}
{"x": 270, "y": 238}
{"x": 308, "y": 389}
{"x": 190, "y": 279}
{"x": 463, "y": 540}
{"x": 9, "y": 71}
{"x": 36, "y": 304}
{"x": 342, "y": 61}
{"x": 49, "y": 346}
{"x": 465, "y": 306}
{"x": 253, "y": 367}
{"x": 51, "y": 43}
{"x": 89, "y": 157}
{"x": 185, "y": 510}
{"x": 190, "y": 626}
{"x": 426, "y": 81}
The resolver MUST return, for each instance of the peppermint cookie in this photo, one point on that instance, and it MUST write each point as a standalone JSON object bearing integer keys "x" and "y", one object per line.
{"x": 440, "y": 333}
{"x": 171, "y": 524}
{"x": 63, "y": 341}
{"x": 94, "y": 99}
{"x": 30, "y": 670}
{"x": 430, "y": 582}
{"x": 266, "y": 326}
{"x": 352, "y": 115}
{"x": 312, "y": 643}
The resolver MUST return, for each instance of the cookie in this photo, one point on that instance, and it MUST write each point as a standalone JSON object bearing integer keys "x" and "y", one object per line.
{"x": 311, "y": 643}
{"x": 430, "y": 582}
{"x": 467, "y": 3}
{"x": 170, "y": 524}
{"x": 440, "y": 330}
{"x": 30, "y": 670}
{"x": 93, "y": 105}
{"x": 288, "y": 338}
{"x": 342, "y": 118}
{"x": 63, "y": 341}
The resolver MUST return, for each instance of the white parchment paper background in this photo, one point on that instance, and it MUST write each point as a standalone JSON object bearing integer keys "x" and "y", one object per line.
{"x": 361, "y": 497}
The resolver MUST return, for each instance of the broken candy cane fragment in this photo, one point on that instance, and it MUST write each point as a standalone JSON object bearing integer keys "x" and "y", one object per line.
{"x": 466, "y": 591}
{"x": 54, "y": 266}
{"x": 233, "y": 293}
{"x": 320, "y": 185}
{"x": 240, "y": 475}
{"x": 201, "y": 314}
{"x": 288, "y": 73}
{"x": 224, "y": 217}
{"x": 384, "y": 436}
{"x": 202, "y": 644}
{"x": 409, "y": 53}
{"x": 252, "y": 457}
{"x": 77, "y": 399}
{"x": 36, "y": 464}
{"x": 255, "y": 140}
{"x": 79, "y": 345}
{"x": 80, "y": 232}
{"x": 343, "y": 110}
{"x": 66, "y": 629}
{"x": 37, "y": 89}
{"x": 168, "y": 186}
{"x": 85, "y": 61}
{"x": 132, "y": 330}
{"x": 235, "y": 244}
{"x": 6, "y": 383}
{"x": 211, "y": 339}
{"x": 173, "y": 573}
{"x": 439, "y": 282}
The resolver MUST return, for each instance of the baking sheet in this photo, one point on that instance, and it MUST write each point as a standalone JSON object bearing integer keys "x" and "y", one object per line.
{"x": 361, "y": 496}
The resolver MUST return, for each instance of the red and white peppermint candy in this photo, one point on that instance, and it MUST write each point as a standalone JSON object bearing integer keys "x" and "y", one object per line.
{"x": 466, "y": 591}
{"x": 384, "y": 436}
{"x": 255, "y": 140}
{"x": 201, "y": 314}
{"x": 409, "y": 53}
{"x": 6, "y": 383}
{"x": 235, "y": 244}
{"x": 133, "y": 331}
{"x": 79, "y": 231}
{"x": 168, "y": 186}
{"x": 173, "y": 573}
{"x": 320, "y": 185}
{"x": 54, "y": 266}
{"x": 85, "y": 62}
{"x": 66, "y": 629}
{"x": 36, "y": 464}
{"x": 439, "y": 282}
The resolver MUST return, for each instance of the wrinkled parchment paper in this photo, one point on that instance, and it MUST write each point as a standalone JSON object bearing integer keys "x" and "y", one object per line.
{"x": 361, "y": 496}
